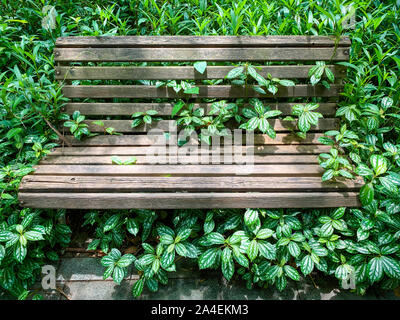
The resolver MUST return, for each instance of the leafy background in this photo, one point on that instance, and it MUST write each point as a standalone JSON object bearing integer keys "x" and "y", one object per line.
{"x": 264, "y": 247}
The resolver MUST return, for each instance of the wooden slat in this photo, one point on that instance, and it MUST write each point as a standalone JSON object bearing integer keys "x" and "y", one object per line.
{"x": 202, "y": 41}
{"x": 165, "y": 109}
{"x": 189, "y": 200}
{"x": 181, "y": 73}
{"x": 196, "y": 54}
{"x": 170, "y": 125}
{"x": 71, "y": 183}
{"x": 145, "y": 140}
{"x": 98, "y": 159}
{"x": 222, "y": 91}
{"x": 181, "y": 170}
{"x": 133, "y": 151}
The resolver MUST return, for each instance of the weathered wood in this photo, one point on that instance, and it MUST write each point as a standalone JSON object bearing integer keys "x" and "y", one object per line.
{"x": 73, "y": 183}
{"x": 222, "y": 91}
{"x": 164, "y": 109}
{"x": 145, "y": 140}
{"x": 196, "y": 54}
{"x": 181, "y": 170}
{"x": 133, "y": 151}
{"x": 189, "y": 200}
{"x": 181, "y": 72}
{"x": 98, "y": 159}
{"x": 286, "y": 173}
{"x": 203, "y": 41}
{"x": 170, "y": 125}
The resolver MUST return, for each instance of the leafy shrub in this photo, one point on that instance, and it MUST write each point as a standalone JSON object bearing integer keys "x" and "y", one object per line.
{"x": 264, "y": 247}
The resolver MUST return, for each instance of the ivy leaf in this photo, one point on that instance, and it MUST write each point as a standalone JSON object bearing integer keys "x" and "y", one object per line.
{"x": 234, "y": 73}
{"x": 363, "y": 170}
{"x": 326, "y": 230}
{"x": 263, "y": 125}
{"x": 118, "y": 274}
{"x": 167, "y": 258}
{"x": 138, "y": 288}
{"x": 272, "y": 272}
{"x": 116, "y": 160}
{"x": 177, "y": 107}
{"x": 215, "y": 238}
{"x": 307, "y": 265}
{"x": 328, "y": 174}
{"x": 338, "y": 213}
{"x": 264, "y": 233}
{"x": 391, "y": 267}
{"x": 2, "y": 252}
{"x": 111, "y": 222}
{"x": 273, "y": 89}
{"x": 181, "y": 249}
{"x": 259, "y": 90}
{"x": 152, "y": 284}
{"x": 200, "y": 66}
{"x": 20, "y": 252}
{"x": 252, "y": 250}
{"x": 294, "y": 249}
{"x": 303, "y": 123}
{"x": 183, "y": 235}
{"x": 208, "y": 258}
{"x": 126, "y": 260}
{"x": 329, "y": 75}
{"x": 107, "y": 261}
{"x": 379, "y": 164}
{"x": 291, "y": 273}
{"x": 367, "y": 194}
{"x": 250, "y": 216}
{"x": 286, "y": 83}
{"x": 33, "y": 236}
{"x": 192, "y": 90}
{"x": 191, "y": 250}
{"x": 240, "y": 258}
{"x": 108, "y": 272}
{"x": 164, "y": 230}
{"x": 136, "y": 122}
{"x": 132, "y": 226}
{"x": 252, "y": 124}
{"x": 387, "y": 102}
{"x": 147, "y": 259}
{"x": 375, "y": 269}
{"x": 227, "y": 265}
{"x": 267, "y": 250}
{"x": 341, "y": 272}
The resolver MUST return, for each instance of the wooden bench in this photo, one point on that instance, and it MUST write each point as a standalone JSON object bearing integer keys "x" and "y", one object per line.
{"x": 286, "y": 171}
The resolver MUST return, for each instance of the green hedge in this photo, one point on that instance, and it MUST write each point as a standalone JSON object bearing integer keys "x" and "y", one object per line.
{"x": 264, "y": 247}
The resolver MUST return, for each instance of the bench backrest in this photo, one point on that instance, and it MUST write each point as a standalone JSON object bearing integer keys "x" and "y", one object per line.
{"x": 105, "y": 77}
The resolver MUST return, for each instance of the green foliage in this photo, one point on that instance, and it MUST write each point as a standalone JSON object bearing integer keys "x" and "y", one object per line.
{"x": 240, "y": 76}
{"x": 263, "y": 247}
{"x": 146, "y": 117}
{"x": 107, "y": 130}
{"x": 258, "y": 116}
{"x": 307, "y": 117}
{"x": 118, "y": 160}
{"x": 76, "y": 124}
{"x": 318, "y": 71}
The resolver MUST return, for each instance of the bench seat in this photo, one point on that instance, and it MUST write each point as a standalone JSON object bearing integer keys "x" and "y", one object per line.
{"x": 286, "y": 172}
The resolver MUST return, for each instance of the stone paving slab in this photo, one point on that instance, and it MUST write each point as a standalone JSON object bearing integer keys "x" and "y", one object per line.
{"x": 82, "y": 279}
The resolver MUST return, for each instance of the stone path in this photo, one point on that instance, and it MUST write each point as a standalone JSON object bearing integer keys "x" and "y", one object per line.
{"x": 82, "y": 279}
